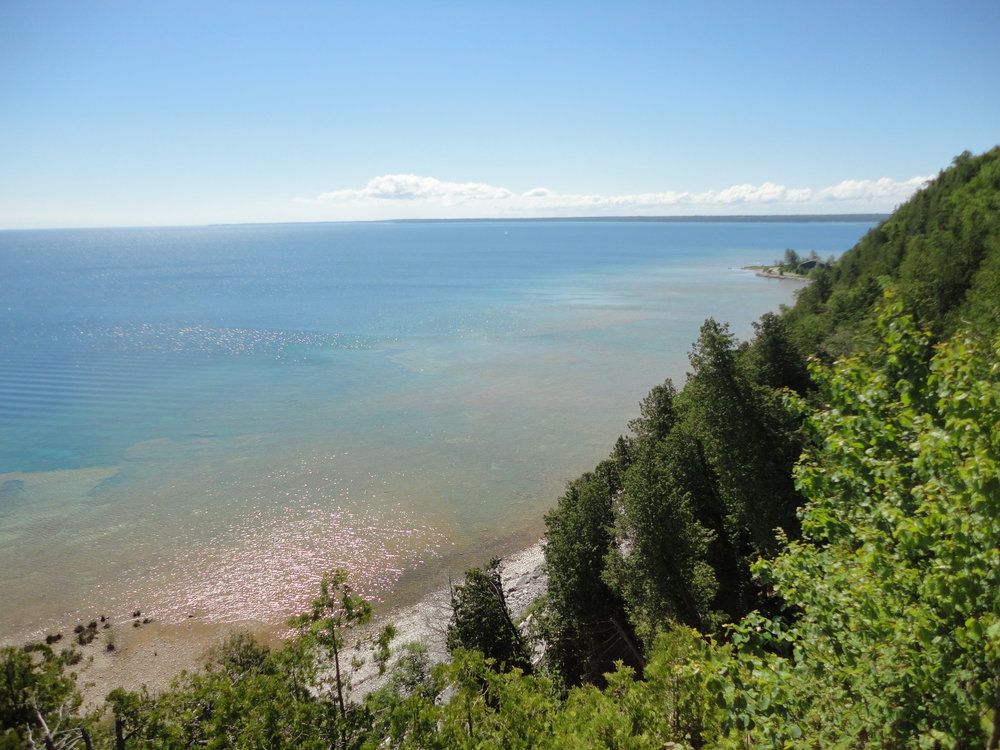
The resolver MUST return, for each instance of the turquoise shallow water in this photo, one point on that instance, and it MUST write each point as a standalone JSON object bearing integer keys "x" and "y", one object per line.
{"x": 201, "y": 420}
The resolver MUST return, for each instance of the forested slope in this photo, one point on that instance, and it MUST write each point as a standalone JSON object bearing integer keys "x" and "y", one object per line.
{"x": 779, "y": 554}
{"x": 666, "y": 528}
{"x": 940, "y": 251}
{"x": 674, "y": 518}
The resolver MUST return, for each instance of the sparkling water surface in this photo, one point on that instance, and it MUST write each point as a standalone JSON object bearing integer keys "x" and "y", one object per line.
{"x": 200, "y": 421}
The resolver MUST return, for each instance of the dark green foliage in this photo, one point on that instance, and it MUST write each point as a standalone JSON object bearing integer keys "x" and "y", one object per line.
{"x": 656, "y": 414}
{"x": 382, "y": 651}
{"x": 791, "y": 260}
{"x": 585, "y": 622}
{"x": 238, "y": 655}
{"x": 747, "y": 439}
{"x": 704, "y": 494}
{"x": 666, "y": 529}
{"x": 481, "y": 621}
{"x": 660, "y": 564}
{"x": 939, "y": 251}
{"x": 774, "y": 359}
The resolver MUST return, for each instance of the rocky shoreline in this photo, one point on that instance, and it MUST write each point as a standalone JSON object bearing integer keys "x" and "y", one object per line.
{"x": 152, "y": 655}
{"x": 775, "y": 272}
{"x": 524, "y": 580}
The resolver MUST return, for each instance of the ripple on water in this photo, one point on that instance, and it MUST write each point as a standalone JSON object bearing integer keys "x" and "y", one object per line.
{"x": 270, "y": 562}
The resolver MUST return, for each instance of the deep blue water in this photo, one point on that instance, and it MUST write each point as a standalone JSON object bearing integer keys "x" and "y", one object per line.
{"x": 222, "y": 388}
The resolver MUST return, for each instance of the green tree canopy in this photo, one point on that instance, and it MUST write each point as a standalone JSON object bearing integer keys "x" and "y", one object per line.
{"x": 481, "y": 620}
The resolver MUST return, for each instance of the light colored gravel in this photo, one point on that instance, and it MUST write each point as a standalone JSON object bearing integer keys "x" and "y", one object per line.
{"x": 427, "y": 621}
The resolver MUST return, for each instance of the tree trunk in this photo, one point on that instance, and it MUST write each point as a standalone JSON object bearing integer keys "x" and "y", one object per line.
{"x": 336, "y": 665}
{"x": 119, "y": 733}
{"x": 46, "y": 737}
{"x": 995, "y": 737}
{"x": 629, "y": 644}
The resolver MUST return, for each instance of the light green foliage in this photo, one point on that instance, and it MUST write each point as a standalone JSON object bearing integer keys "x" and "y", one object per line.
{"x": 246, "y": 697}
{"x": 895, "y": 640}
{"x": 335, "y": 611}
{"x": 249, "y": 697}
{"x": 36, "y": 694}
{"x": 486, "y": 708}
{"x": 672, "y": 706}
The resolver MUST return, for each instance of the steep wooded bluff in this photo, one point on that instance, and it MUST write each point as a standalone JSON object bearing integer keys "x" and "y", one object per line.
{"x": 667, "y": 527}
{"x": 940, "y": 252}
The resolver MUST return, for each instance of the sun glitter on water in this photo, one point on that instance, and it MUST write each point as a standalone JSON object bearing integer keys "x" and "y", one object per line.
{"x": 282, "y": 552}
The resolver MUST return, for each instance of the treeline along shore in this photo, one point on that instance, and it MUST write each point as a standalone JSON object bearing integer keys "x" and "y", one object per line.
{"x": 738, "y": 219}
{"x": 797, "y": 547}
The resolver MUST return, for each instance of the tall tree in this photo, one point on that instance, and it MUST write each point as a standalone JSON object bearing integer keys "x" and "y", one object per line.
{"x": 585, "y": 622}
{"x": 481, "y": 620}
{"x": 334, "y": 612}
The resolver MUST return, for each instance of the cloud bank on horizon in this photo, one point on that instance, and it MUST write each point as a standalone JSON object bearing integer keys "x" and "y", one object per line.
{"x": 416, "y": 196}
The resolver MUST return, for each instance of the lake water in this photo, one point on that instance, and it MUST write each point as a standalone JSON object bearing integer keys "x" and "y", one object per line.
{"x": 200, "y": 421}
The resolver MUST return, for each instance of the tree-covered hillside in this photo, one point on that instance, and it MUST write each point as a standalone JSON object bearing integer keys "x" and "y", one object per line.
{"x": 665, "y": 530}
{"x": 940, "y": 251}
{"x": 674, "y": 519}
{"x": 799, "y": 548}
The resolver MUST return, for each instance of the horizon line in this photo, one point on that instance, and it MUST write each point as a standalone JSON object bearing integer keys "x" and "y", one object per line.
{"x": 689, "y": 218}
{"x": 714, "y": 218}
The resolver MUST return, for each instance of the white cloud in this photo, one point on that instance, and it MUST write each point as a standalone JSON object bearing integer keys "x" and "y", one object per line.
{"x": 769, "y": 192}
{"x": 415, "y": 196}
{"x": 392, "y": 187}
{"x": 884, "y": 188}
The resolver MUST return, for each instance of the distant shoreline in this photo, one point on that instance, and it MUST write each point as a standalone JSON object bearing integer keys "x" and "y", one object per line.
{"x": 694, "y": 219}
{"x": 772, "y": 272}
{"x": 741, "y": 219}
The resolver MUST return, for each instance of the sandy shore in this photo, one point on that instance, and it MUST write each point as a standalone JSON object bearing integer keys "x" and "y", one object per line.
{"x": 151, "y": 655}
{"x": 154, "y": 653}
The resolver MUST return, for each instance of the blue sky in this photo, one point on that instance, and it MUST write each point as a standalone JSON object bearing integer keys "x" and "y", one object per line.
{"x": 136, "y": 113}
